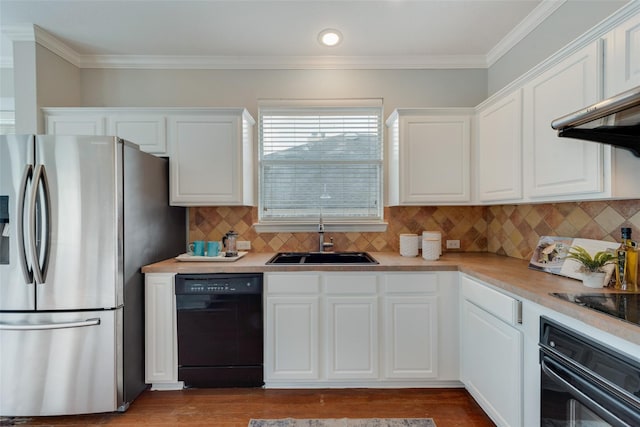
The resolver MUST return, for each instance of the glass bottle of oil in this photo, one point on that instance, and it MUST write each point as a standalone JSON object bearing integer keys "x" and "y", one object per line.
{"x": 627, "y": 264}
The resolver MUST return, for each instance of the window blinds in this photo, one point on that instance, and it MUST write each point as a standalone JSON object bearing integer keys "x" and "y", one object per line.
{"x": 323, "y": 160}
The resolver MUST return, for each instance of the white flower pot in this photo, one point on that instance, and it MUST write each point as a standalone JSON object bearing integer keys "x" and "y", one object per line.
{"x": 593, "y": 280}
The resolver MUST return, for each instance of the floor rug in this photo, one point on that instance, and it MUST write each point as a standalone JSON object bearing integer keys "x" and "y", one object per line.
{"x": 345, "y": 422}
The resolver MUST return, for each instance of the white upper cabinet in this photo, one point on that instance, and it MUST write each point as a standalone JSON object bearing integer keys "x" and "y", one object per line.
{"x": 146, "y": 130}
{"x": 73, "y": 122}
{"x": 556, "y": 166}
{"x": 429, "y": 156}
{"x": 499, "y": 149}
{"x": 142, "y": 126}
{"x": 212, "y": 158}
{"x": 622, "y": 59}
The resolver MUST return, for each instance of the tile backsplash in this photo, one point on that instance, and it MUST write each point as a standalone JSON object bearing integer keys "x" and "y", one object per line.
{"x": 511, "y": 230}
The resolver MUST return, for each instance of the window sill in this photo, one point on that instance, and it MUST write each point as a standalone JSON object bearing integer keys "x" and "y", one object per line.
{"x": 292, "y": 227}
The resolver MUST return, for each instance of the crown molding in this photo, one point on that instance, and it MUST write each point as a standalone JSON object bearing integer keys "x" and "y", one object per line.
{"x": 33, "y": 33}
{"x": 20, "y": 32}
{"x": 282, "y": 62}
{"x": 523, "y": 29}
{"x": 29, "y": 32}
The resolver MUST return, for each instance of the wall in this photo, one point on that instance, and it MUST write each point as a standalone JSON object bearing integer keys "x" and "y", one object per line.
{"x": 6, "y": 83}
{"x": 42, "y": 79}
{"x": 567, "y": 23}
{"x": 512, "y": 230}
{"x": 58, "y": 80}
{"x": 26, "y": 98}
{"x": 243, "y": 88}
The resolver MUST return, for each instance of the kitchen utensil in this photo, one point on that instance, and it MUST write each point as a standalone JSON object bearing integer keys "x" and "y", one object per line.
{"x": 229, "y": 241}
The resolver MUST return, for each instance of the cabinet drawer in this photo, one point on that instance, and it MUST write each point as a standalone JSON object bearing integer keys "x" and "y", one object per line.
{"x": 351, "y": 284}
{"x": 411, "y": 283}
{"x": 500, "y": 305}
{"x": 292, "y": 284}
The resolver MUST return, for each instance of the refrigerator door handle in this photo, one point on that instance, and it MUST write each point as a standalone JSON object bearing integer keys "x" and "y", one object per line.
{"x": 46, "y": 326}
{"x": 43, "y": 230}
{"x": 22, "y": 250}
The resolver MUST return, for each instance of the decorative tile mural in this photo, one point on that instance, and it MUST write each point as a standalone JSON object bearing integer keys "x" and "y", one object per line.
{"x": 511, "y": 230}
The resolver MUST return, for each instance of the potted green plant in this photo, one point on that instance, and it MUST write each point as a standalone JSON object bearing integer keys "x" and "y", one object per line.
{"x": 592, "y": 267}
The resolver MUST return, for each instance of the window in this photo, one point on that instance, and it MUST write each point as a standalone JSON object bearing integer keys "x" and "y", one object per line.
{"x": 320, "y": 159}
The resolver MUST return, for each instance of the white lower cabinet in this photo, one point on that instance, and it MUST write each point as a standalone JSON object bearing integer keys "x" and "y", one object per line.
{"x": 492, "y": 351}
{"x": 351, "y": 319}
{"x": 291, "y": 327}
{"x": 360, "y": 329}
{"x": 161, "y": 345}
{"x": 411, "y": 336}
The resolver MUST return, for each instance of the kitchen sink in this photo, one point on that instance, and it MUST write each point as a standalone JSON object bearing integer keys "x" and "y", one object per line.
{"x": 322, "y": 258}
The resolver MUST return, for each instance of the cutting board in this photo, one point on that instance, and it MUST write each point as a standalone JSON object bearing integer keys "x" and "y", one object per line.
{"x": 555, "y": 262}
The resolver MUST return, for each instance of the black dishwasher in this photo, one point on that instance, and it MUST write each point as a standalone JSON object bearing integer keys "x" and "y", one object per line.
{"x": 219, "y": 319}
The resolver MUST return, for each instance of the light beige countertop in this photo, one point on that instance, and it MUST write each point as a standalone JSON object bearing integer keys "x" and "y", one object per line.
{"x": 509, "y": 274}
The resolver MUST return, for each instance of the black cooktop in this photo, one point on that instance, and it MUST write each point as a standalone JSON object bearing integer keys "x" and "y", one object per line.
{"x": 622, "y": 305}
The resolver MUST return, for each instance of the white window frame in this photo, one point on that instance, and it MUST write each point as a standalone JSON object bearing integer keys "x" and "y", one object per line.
{"x": 331, "y": 224}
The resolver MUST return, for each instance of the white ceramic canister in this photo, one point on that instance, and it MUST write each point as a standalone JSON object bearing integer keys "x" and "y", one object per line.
{"x": 434, "y": 235}
{"x": 430, "y": 249}
{"x": 409, "y": 244}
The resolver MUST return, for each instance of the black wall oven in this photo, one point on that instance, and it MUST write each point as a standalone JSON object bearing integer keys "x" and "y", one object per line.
{"x": 220, "y": 341}
{"x": 584, "y": 383}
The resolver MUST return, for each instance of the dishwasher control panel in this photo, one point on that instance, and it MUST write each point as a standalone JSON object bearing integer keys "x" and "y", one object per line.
{"x": 203, "y": 284}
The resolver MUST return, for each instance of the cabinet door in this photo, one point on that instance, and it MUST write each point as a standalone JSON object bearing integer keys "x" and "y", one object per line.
{"x": 562, "y": 166}
{"x": 161, "y": 351}
{"x": 492, "y": 364}
{"x": 75, "y": 125}
{"x": 206, "y": 165}
{"x": 500, "y": 150}
{"x": 291, "y": 338}
{"x": 148, "y": 131}
{"x": 411, "y": 336}
{"x": 622, "y": 66}
{"x": 434, "y": 159}
{"x": 352, "y": 337}
{"x": 351, "y": 325}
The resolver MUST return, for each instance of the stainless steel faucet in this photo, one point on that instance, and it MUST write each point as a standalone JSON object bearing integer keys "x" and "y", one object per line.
{"x": 321, "y": 243}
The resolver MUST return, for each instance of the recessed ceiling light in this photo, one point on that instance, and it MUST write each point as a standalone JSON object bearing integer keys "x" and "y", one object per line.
{"x": 330, "y": 37}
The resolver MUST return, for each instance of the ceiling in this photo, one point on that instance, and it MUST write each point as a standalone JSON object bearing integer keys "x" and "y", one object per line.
{"x": 275, "y": 33}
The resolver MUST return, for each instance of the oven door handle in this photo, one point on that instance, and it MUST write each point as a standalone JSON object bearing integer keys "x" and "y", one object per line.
{"x": 547, "y": 366}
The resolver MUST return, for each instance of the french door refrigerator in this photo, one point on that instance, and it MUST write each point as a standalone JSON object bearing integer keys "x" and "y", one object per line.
{"x": 79, "y": 216}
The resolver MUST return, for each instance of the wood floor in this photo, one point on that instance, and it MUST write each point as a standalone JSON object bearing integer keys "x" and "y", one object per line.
{"x": 235, "y": 407}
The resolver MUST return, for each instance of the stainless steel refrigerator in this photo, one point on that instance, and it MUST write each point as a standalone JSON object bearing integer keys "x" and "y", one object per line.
{"x": 79, "y": 216}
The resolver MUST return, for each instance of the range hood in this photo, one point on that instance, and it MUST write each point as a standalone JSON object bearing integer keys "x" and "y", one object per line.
{"x": 614, "y": 121}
